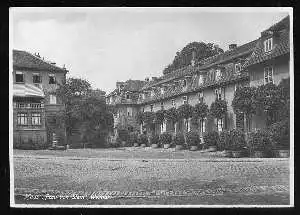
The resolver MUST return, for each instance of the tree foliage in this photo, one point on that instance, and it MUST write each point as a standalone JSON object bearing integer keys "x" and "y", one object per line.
{"x": 171, "y": 114}
{"x": 218, "y": 109}
{"x": 185, "y": 111}
{"x": 244, "y": 100}
{"x": 184, "y": 57}
{"x": 159, "y": 116}
{"x": 200, "y": 110}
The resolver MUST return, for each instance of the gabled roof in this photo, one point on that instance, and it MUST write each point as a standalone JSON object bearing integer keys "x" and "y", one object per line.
{"x": 205, "y": 63}
{"x": 26, "y": 60}
{"x": 27, "y": 90}
{"x": 130, "y": 85}
{"x": 281, "y": 44}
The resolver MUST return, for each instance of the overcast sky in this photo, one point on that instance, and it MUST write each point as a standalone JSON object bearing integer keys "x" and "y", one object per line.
{"x": 105, "y": 45}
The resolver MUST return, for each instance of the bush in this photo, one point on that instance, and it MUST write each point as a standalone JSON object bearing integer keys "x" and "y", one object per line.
{"x": 192, "y": 138}
{"x": 142, "y": 139}
{"x": 279, "y": 135}
{"x": 259, "y": 141}
{"x": 237, "y": 140}
{"x": 153, "y": 139}
{"x": 211, "y": 139}
{"x": 123, "y": 134}
{"x": 133, "y": 137}
{"x": 179, "y": 139}
{"x": 224, "y": 141}
{"x": 165, "y": 138}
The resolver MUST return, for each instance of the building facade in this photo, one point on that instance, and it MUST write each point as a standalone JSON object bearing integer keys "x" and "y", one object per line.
{"x": 34, "y": 98}
{"x": 258, "y": 62}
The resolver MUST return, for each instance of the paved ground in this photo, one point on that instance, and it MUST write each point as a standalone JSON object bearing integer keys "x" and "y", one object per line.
{"x": 99, "y": 177}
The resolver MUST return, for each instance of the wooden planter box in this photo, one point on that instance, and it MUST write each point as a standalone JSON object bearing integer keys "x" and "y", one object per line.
{"x": 212, "y": 148}
{"x": 123, "y": 143}
{"x": 143, "y": 145}
{"x": 258, "y": 154}
{"x": 228, "y": 153}
{"x": 154, "y": 146}
{"x": 135, "y": 144}
{"x": 179, "y": 147}
{"x": 237, "y": 154}
{"x": 282, "y": 153}
{"x": 166, "y": 146}
{"x": 194, "y": 148}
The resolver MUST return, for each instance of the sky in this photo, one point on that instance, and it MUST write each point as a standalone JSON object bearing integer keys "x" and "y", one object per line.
{"x": 106, "y": 45}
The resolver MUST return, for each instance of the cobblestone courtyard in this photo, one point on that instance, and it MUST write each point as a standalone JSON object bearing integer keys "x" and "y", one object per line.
{"x": 117, "y": 177}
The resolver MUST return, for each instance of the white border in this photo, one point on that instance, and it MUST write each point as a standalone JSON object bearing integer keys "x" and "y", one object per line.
{"x": 168, "y": 9}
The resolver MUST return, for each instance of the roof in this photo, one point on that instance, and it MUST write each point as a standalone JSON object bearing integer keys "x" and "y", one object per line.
{"x": 27, "y": 90}
{"x": 205, "y": 63}
{"x": 130, "y": 85}
{"x": 281, "y": 44}
{"x": 26, "y": 60}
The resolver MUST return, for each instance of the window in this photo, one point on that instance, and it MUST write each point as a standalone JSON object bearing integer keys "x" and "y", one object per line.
{"x": 36, "y": 119}
{"x": 52, "y": 79}
{"x": 173, "y": 103}
{"x": 268, "y": 44}
{"x": 200, "y": 80}
{"x": 22, "y": 119}
{"x": 129, "y": 111}
{"x": 238, "y": 67}
{"x": 162, "y": 105}
{"x": 162, "y": 90}
{"x": 36, "y": 78}
{"x": 220, "y": 93}
{"x": 19, "y": 77}
{"x": 220, "y": 125}
{"x": 185, "y": 100}
{"x": 202, "y": 125}
{"x": 201, "y": 97}
{"x": 52, "y": 99}
{"x": 218, "y": 74}
{"x": 184, "y": 83}
{"x": 151, "y": 108}
{"x": 127, "y": 96}
{"x": 152, "y": 93}
{"x": 268, "y": 74}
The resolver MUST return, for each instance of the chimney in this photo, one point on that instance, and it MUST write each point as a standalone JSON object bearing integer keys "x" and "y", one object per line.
{"x": 232, "y": 46}
{"x": 193, "y": 57}
{"x": 147, "y": 79}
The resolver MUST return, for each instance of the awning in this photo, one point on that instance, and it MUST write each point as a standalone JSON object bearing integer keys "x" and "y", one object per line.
{"x": 27, "y": 90}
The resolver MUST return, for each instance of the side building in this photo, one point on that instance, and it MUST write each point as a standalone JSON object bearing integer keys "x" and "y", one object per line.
{"x": 215, "y": 78}
{"x": 34, "y": 98}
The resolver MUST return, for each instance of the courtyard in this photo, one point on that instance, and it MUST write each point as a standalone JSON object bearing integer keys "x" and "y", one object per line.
{"x": 134, "y": 176}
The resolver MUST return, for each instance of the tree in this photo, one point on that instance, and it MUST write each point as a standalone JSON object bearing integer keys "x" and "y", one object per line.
{"x": 185, "y": 111}
{"x": 184, "y": 57}
{"x": 171, "y": 114}
{"x": 218, "y": 109}
{"x": 200, "y": 111}
{"x": 244, "y": 102}
{"x": 270, "y": 98}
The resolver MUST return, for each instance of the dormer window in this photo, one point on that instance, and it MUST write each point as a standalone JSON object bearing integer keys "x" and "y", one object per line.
{"x": 127, "y": 96}
{"x": 268, "y": 74}
{"x": 162, "y": 90}
{"x": 268, "y": 44}
{"x": 218, "y": 74}
{"x": 238, "y": 67}
{"x": 52, "y": 79}
{"x": 19, "y": 77}
{"x": 200, "y": 82}
{"x": 220, "y": 93}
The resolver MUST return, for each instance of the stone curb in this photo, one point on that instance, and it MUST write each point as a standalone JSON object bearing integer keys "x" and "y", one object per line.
{"x": 164, "y": 159}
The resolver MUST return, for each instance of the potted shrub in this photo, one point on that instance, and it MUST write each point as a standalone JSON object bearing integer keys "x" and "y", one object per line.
{"x": 259, "y": 143}
{"x": 154, "y": 140}
{"x": 224, "y": 143}
{"x": 179, "y": 141}
{"x": 142, "y": 140}
{"x": 211, "y": 140}
{"x": 133, "y": 139}
{"x": 165, "y": 139}
{"x": 192, "y": 140}
{"x": 279, "y": 134}
{"x": 237, "y": 143}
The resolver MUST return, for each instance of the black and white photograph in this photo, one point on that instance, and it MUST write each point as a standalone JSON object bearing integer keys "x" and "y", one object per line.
{"x": 151, "y": 107}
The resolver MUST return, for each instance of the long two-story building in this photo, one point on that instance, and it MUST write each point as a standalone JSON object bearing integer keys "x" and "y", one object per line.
{"x": 258, "y": 62}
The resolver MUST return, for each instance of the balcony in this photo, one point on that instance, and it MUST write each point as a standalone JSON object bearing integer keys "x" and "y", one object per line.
{"x": 18, "y": 105}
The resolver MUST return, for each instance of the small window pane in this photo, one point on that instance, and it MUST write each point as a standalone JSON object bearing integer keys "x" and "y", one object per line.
{"x": 19, "y": 77}
{"x": 52, "y": 79}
